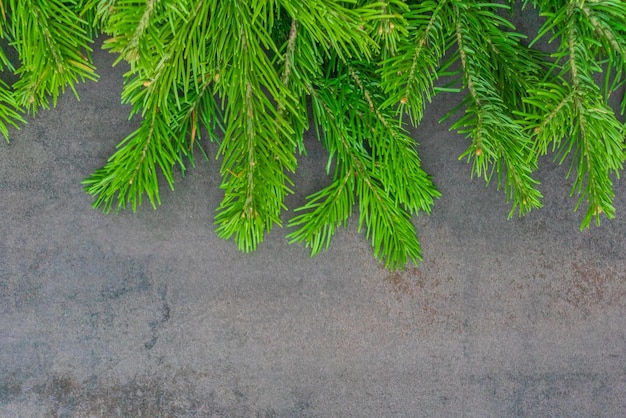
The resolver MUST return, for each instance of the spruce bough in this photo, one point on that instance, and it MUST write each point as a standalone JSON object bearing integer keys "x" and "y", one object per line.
{"x": 253, "y": 76}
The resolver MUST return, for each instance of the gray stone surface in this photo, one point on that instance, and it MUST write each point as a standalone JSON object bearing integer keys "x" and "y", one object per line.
{"x": 151, "y": 314}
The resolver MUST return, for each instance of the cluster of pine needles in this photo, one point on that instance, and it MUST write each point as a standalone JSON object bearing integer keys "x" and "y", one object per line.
{"x": 254, "y": 76}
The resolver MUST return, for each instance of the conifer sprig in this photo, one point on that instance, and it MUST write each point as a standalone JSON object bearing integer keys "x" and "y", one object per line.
{"x": 408, "y": 76}
{"x": 488, "y": 56}
{"x": 570, "y": 112}
{"x": 10, "y": 109}
{"x": 258, "y": 146}
{"x": 168, "y": 91}
{"x": 53, "y": 45}
{"x": 375, "y": 163}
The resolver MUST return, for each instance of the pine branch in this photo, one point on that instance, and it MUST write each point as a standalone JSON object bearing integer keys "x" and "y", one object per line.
{"x": 408, "y": 76}
{"x": 258, "y": 145}
{"x": 53, "y": 44}
{"x": 131, "y": 171}
{"x": 498, "y": 144}
{"x": 159, "y": 142}
{"x": 574, "y": 116}
{"x": 395, "y": 160}
{"x": 10, "y": 109}
{"x": 171, "y": 90}
{"x": 382, "y": 195}
{"x": 335, "y": 28}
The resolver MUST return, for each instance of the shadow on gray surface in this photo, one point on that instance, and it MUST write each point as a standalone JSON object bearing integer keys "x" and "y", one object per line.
{"x": 150, "y": 314}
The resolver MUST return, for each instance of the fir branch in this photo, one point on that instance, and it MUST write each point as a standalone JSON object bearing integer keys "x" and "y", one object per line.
{"x": 498, "y": 144}
{"x": 547, "y": 125}
{"x": 59, "y": 36}
{"x": 394, "y": 155}
{"x": 10, "y": 110}
{"x": 388, "y": 226}
{"x": 593, "y": 182}
{"x": 574, "y": 116}
{"x": 382, "y": 196}
{"x": 131, "y": 171}
{"x": 258, "y": 144}
{"x": 336, "y": 28}
{"x": 408, "y": 76}
{"x": 327, "y": 209}
{"x": 296, "y": 63}
{"x": 368, "y": 99}
{"x": 158, "y": 88}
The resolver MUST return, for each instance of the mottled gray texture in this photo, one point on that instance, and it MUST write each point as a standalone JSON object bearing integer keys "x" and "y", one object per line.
{"x": 151, "y": 314}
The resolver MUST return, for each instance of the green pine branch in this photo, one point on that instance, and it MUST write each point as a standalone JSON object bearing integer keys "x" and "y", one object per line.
{"x": 489, "y": 57}
{"x": 131, "y": 171}
{"x": 408, "y": 76}
{"x": 572, "y": 115}
{"x": 173, "y": 95}
{"x": 258, "y": 146}
{"x": 54, "y": 47}
{"x": 387, "y": 180}
{"x": 10, "y": 109}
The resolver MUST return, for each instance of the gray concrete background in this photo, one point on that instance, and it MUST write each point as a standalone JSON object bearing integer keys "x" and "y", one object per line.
{"x": 151, "y": 314}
